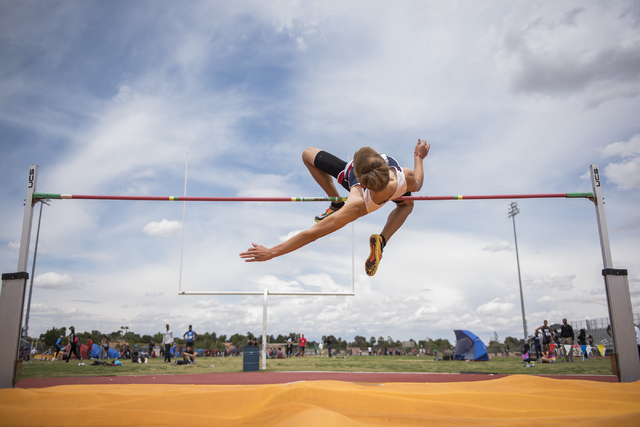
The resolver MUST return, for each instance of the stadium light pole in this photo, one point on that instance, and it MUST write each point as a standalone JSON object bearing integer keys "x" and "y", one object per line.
{"x": 513, "y": 211}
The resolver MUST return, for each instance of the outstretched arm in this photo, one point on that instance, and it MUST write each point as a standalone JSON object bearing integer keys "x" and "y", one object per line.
{"x": 352, "y": 210}
{"x": 415, "y": 177}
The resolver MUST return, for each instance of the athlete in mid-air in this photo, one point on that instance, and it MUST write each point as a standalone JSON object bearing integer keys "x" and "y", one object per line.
{"x": 372, "y": 180}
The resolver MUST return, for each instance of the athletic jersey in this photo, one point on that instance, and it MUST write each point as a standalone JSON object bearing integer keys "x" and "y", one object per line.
{"x": 349, "y": 174}
{"x": 58, "y": 343}
{"x": 303, "y": 342}
{"x": 190, "y": 335}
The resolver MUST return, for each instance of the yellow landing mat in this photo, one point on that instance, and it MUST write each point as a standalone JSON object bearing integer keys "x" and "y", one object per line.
{"x": 510, "y": 401}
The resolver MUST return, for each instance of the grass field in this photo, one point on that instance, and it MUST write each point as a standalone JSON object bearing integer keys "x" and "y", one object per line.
{"x": 497, "y": 365}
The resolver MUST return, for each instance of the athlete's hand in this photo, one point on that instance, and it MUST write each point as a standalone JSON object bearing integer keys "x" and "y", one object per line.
{"x": 257, "y": 253}
{"x": 422, "y": 148}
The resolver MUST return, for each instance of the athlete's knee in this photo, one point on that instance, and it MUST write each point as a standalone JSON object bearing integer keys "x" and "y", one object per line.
{"x": 309, "y": 155}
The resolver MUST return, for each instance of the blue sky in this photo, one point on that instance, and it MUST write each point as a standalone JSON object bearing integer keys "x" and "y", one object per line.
{"x": 514, "y": 96}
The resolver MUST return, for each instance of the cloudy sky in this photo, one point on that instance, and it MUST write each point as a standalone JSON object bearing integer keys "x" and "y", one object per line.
{"x": 514, "y": 97}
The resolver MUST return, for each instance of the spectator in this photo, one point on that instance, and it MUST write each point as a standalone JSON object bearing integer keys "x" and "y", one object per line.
{"x": 567, "y": 338}
{"x": 151, "y": 346}
{"x": 328, "y": 341}
{"x": 591, "y": 346}
{"x": 302, "y": 343}
{"x": 167, "y": 340}
{"x": 74, "y": 345}
{"x": 104, "y": 347}
{"x": 289, "y": 346}
{"x": 125, "y": 352}
{"x": 137, "y": 356}
{"x": 547, "y": 358}
{"x": 89, "y": 347}
{"x": 189, "y": 356}
{"x": 582, "y": 341}
{"x": 191, "y": 336}
{"x": 58, "y": 346}
{"x": 537, "y": 346}
{"x": 546, "y": 335}
{"x": 526, "y": 352}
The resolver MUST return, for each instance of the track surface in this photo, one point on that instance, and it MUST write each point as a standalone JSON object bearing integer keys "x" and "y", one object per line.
{"x": 257, "y": 378}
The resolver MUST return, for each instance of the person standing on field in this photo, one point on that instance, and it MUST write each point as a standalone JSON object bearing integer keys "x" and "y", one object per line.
{"x": 167, "y": 341}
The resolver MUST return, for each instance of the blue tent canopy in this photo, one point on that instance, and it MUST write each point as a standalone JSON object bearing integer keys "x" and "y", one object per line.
{"x": 95, "y": 352}
{"x": 469, "y": 347}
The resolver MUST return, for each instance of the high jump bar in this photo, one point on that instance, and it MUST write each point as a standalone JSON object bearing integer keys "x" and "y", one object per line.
{"x": 41, "y": 196}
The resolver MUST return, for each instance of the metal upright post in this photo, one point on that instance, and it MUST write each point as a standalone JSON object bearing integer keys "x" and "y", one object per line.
{"x": 12, "y": 296}
{"x": 25, "y": 329}
{"x": 618, "y": 297}
{"x": 264, "y": 331}
{"x": 513, "y": 211}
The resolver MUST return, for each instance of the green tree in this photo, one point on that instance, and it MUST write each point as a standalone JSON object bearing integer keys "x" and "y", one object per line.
{"x": 238, "y": 340}
{"x": 372, "y": 340}
{"x": 442, "y": 344}
{"x": 51, "y": 336}
{"x": 494, "y": 344}
{"x": 96, "y": 337}
{"x": 359, "y": 341}
{"x": 514, "y": 344}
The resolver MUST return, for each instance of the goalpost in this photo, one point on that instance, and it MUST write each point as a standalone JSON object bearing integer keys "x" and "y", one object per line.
{"x": 14, "y": 284}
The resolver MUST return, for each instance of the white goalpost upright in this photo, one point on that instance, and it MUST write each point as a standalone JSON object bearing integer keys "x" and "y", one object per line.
{"x": 14, "y": 284}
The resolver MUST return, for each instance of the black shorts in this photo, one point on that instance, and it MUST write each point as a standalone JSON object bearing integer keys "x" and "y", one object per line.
{"x": 334, "y": 166}
{"x": 328, "y": 163}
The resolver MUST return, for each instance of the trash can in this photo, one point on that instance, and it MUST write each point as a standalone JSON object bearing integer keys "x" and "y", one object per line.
{"x": 251, "y": 358}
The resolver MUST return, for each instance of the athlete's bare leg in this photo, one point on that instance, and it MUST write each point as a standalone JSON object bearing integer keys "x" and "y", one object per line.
{"x": 396, "y": 218}
{"x": 323, "y": 179}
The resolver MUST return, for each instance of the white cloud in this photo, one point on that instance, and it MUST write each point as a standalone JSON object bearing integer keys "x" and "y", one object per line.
{"x": 495, "y": 308}
{"x": 289, "y": 235}
{"x": 554, "y": 52}
{"x": 624, "y": 174}
{"x": 56, "y": 281}
{"x": 302, "y": 46}
{"x": 623, "y": 149}
{"x": 545, "y": 299}
{"x": 14, "y": 245}
{"x": 499, "y": 246}
{"x": 556, "y": 283}
{"x": 164, "y": 228}
{"x": 153, "y": 294}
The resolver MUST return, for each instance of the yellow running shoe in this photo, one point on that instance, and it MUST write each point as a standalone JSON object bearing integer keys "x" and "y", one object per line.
{"x": 371, "y": 265}
{"x": 330, "y": 210}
